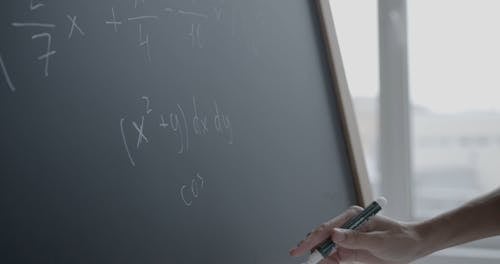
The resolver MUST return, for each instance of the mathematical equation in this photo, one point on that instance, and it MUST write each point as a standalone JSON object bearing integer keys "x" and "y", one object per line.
{"x": 194, "y": 34}
{"x": 45, "y": 31}
{"x": 176, "y": 123}
{"x": 183, "y": 122}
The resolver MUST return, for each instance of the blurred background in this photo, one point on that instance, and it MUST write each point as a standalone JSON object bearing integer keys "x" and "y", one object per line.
{"x": 425, "y": 80}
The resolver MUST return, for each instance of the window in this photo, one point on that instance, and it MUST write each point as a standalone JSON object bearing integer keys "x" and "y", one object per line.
{"x": 454, "y": 57}
{"x": 454, "y": 102}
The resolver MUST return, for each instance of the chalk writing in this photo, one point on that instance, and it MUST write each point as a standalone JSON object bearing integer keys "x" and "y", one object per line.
{"x": 144, "y": 38}
{"x": 200, "y": 125}
{"x": 223, "y": 124}
{"x": 190, "y": 13}
{"x": 144, "y": 42}
{"x": 174, "y": 124}
{"x": 185, "y": 12}
{"x": 204, "y": 125}
{"x": 114, "y": 20}
{"x": 218, "y": 13}
{"x": 73, "y": 26}
{"x": 193, "y": 28}
{"x": 6, "y": 75}
{"x": 201, "y": 179}
{"x": 48, "y": 53}
{"x": 163, "y": 123}
{"x": 140, "y": 132}
{"x": 177, "y": 123}
{"x": 148, "y": 107}
{"x": 196, "y": 119}
{"x": 186, "y": 202}
{"x": 42, "y": 25}
{"x": 195, "y": 20}
{"x": 122, "y": 120}
{"x": 195, "y": 36}
{"x": 137, "y": 3}
{"x": 191, "y": 192}
{"x": 34, "y": 5}
{"x": 142, "y": 18}
{"x": 185, "y": 126}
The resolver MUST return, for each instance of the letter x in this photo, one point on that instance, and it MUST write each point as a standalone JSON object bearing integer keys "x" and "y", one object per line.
{"x": 140, "y": 130}
{"x": 73, "y": 26}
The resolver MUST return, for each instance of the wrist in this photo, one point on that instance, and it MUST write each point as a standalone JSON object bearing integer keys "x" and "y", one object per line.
{"x": 426, "y": 242}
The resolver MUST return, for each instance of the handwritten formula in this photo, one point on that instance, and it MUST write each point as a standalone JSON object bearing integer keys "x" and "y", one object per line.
{"x": 41, "y": 30}
{"x": 176, "y": 124}
{"x": 139, "y": 133}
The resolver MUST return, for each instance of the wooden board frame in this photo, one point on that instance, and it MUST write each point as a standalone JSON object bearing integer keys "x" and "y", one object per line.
{"x": 344, "y": 102}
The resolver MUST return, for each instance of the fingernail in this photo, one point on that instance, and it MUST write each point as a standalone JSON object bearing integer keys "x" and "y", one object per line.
{"x": 339, "y": 235}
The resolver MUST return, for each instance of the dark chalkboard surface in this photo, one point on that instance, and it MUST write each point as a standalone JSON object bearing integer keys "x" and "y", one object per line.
{"x": 173, "y": 131}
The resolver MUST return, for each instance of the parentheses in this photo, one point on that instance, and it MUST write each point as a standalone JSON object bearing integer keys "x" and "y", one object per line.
{"x": 6, "y": 75}
{"x": 174, "y": 124}
{"x": 196, "y": 119}
{"x": 122, "y": 120}
{"x": 185, "y": 127}
{"x": 181, "y": 135}
{"x": 187, "y": 203}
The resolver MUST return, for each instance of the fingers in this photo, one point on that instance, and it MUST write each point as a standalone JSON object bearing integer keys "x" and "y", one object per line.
{"x": 351, "y": 239}
{"x": 323, "y": 232}
{"x": 377, "y": 223}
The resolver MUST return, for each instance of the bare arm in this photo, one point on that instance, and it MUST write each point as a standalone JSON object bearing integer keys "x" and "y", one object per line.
{"x": 385, "y": 241}
{"x": 480, "y": 218}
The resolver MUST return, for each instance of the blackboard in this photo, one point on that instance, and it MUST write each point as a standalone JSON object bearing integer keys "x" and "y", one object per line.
{"x": 176, "y": 131}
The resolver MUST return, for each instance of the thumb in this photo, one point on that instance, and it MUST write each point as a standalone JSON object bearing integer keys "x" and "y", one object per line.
{"x": 357, "y": 240}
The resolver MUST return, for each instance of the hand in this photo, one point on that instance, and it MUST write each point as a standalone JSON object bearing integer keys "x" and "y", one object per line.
{"x": 379, "y": 241}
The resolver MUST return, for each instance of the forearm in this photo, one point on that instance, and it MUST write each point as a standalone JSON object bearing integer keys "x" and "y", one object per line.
{"x": 477, "y": 219}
